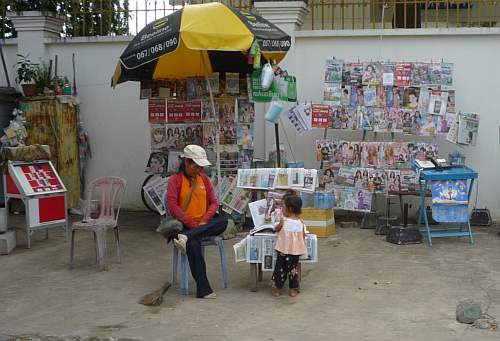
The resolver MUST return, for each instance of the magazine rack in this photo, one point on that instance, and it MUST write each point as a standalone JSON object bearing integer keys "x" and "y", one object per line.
{"x": 261, "y": 256}
{"x": 42, "y": 191}
{"x": 455, "y": 173}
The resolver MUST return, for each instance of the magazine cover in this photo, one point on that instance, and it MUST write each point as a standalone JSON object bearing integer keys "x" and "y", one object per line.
{"x": 346, "y": 75}
{"x": 397, "y": 97}
{"x": 408, "y": 181}
{"x": 468, "y": 126}
{"x": 195, "y": 88}
{"x": 157, "y": 163}
{"x": 273, "y": 208}
{"x": 371, "y": 154}
{"x": 363, "y": 200}
{"x": 214, "y": 83}
{"x": 390, "y": 157}
{"x": 345, "y": 98}
{"x": 402, "y": 73}
{"x": 245, "y": 136}
{"x": 361, "y": 178}
{"x": 209, "y": 136}
{"x": 452, "y": 135}
{"x": 410, "y": 97}
{"x": 232, "y": 83}
{"x": 155, "y": 190}
{"x": 320, "y": 115}
{"x": 388, "y": 73}
{"x": 299, "y": 119}
{"x": 356, "y": 72}
{"x": 246, "y": 111}
{"x": 327, "y": 177}
{"x": 402, "y": 151}
{"x": 435, "y": 73}
{"x": 372, "y": 73}
{"x": 333, "y": 70}
{"x": 450, "y": 106}
{"x": 447, "y": 74}
{"x": 420, "y": 74}
{"x": 258, "y": 212}
{"x": 449, "y": 192}
{"x": 158, "y": 137}
{"x": 370, "y": 96}
{"x": 438, "y": 102}
{"x": 394, "y": 119}
{"x": 324, "y": 150}
{"x": 381, "y": 100}
{"x": 424, "y": 99}
{"x": 379, "y": 120}
{"x": 180, "y": 135}
{"x": 376, "y": 180}
{"x": 254, "y": 247}
{"x": 345, "y": 176}
{"x": 332, "y": 94}
{"x": 268, "y": 253}
{"x": 445, "y": 122}
{"x": 225, "y": 109}
{"x": 393, "y": 177}
{"x": 207, "y": 112}
{"x": 389, "y": 96}
{"x": 357, "y": 97}
{"x": 174, "y": 161}
{"x": 365, "y": 115}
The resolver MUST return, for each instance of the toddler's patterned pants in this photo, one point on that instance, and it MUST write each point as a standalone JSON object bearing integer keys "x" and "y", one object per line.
{"x": 286, "y": 266}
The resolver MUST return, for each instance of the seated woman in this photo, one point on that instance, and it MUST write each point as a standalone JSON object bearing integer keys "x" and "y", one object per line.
{"x": 191, "y": 200}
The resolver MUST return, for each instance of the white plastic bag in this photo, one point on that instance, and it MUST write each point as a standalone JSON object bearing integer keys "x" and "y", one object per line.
{"x": 266, "y": 76}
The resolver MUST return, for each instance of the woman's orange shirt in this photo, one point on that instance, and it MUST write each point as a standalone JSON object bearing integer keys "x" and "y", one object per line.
{"x": 198, "y": 204}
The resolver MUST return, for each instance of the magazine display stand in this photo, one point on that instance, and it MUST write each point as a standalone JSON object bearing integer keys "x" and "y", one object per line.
{"x": 455, "y": 173}
{"x": 42, "y": 191}
{"x": 261, "y": 256}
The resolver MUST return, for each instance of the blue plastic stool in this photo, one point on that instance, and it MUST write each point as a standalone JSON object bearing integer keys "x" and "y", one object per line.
{"x": 217, "y": 241}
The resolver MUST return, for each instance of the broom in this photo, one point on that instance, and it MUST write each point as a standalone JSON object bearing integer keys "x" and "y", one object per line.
{"x": 156, "y": 297}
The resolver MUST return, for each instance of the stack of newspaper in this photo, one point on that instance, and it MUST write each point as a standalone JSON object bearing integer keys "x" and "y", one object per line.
{"x": 299, "y": 179}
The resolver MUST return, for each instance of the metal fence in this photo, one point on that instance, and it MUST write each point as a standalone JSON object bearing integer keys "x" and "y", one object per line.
{"x": 125, "y": 17}
{"x": 390, "y": 14}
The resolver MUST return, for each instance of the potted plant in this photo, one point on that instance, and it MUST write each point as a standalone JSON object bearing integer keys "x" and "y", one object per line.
{"x": 43, "y": 79}
{"x": 26, "y": 74}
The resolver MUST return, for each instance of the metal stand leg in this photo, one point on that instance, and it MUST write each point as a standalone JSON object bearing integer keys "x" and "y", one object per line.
{"x": 253, "y": 277}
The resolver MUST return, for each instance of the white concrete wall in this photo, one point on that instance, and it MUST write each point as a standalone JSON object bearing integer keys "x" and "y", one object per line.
{"x": 9, "y": 50}
{"x": 115, "y": 119}
{"x": 474, "y": 53}
{"x": 119, "y": 131}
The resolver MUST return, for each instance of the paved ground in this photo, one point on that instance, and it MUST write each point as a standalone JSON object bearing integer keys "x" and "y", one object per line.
{"x": 363, "y": 288}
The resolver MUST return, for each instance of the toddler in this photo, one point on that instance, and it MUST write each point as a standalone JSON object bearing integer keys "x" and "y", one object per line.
{"x": 289, "y": 246}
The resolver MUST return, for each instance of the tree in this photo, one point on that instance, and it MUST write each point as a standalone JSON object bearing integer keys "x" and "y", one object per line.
{"x": 83, "y": 17}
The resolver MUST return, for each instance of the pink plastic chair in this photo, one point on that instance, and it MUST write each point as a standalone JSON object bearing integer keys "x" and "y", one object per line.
{"x": 108, "y": 192}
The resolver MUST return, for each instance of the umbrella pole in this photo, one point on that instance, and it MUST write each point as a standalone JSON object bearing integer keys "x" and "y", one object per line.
{"x": 217, "y": 144}
{"x": 278, "y": 149}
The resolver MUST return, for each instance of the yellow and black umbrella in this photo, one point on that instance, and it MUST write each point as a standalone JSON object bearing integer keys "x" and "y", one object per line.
{"x": 198, "y": 40}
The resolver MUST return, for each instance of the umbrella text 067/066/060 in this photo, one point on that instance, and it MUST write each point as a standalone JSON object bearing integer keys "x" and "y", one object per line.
{"x": 156, "y": 48}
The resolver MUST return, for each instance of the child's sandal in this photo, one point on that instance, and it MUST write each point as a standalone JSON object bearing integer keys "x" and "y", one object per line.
{"x": 293, "y": 292}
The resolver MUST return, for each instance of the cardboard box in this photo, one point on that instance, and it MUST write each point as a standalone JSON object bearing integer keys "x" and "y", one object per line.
{"x": 319, "y": 221}
{"x": 7, "y": 242}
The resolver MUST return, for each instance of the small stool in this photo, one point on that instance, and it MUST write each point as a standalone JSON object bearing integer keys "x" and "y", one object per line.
{"x": 215, "y": 240}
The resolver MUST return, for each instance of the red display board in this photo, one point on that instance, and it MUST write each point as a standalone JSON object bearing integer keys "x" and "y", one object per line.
{"x": 33, "y": 178}
{"x": 184, "y": 111}
{"x": 157, "y": 110}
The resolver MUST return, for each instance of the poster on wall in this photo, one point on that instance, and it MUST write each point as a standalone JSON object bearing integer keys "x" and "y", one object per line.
{"x": 184, "y": 111}
{"x": 157, "y": 110}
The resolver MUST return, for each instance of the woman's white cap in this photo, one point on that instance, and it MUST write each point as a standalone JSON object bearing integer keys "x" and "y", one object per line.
{"x": 197, "y": 154}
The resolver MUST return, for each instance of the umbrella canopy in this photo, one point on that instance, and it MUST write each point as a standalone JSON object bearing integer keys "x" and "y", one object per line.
{"x": 198, "y": 40}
